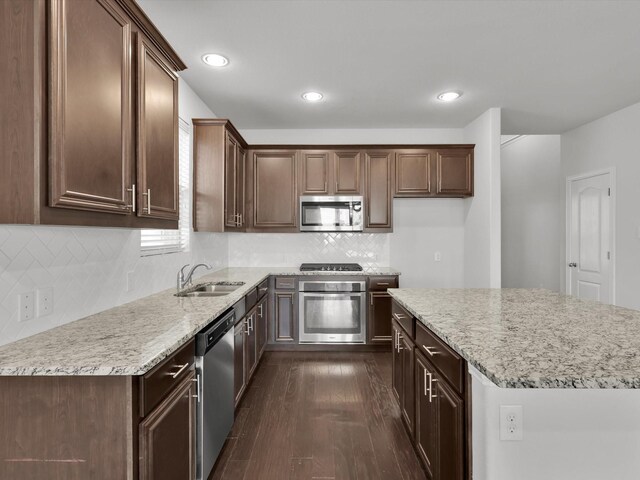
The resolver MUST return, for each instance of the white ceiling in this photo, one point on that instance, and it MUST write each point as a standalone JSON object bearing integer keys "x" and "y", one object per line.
{"x": 550, "y": 65}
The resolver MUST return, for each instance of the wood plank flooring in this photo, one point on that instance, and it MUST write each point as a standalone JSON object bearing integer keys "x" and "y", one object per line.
{"x": 319, "y": 415}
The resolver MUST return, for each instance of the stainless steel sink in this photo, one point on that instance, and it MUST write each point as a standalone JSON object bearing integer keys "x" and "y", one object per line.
{"x": 218, "y": 289}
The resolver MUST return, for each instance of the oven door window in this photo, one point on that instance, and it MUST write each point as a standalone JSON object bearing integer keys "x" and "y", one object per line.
{"x": 329, "y": 214}
{"x": 332, "y": 317}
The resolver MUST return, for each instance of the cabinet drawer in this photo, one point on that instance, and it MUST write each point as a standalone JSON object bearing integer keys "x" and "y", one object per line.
{"x": 450, "y": 364}
{"x": 285, "y": 283}
{"x": 251, "y": 298}
{"x": 155, "y": 384}
{"x": 382, "y": 283}
{"x": 404, "y": 318}
{"x": 263, "y": 288}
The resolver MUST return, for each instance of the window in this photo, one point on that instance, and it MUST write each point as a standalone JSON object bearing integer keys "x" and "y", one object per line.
{"x": 159, "y": 242}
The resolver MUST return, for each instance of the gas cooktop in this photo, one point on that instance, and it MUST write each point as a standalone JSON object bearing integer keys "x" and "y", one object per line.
{"x": 330, "y": 267}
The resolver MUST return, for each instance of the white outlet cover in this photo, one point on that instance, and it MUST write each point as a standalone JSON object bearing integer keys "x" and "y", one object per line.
{"x": 45, "y": 301}
{"x": 26, "y": 306}
{"x": 437, "y": 256}
{"x": 511, "y": 423}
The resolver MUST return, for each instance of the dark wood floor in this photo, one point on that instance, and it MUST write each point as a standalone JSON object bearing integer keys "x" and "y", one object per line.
{"x": 319, "y": 415}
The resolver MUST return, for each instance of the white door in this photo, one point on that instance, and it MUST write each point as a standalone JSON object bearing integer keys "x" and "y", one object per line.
{"x": 590, "y": 265}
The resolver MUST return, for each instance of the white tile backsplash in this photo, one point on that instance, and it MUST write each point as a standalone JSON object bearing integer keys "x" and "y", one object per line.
{"x": 89, "y": 269}
{"x": 292, "y": 249}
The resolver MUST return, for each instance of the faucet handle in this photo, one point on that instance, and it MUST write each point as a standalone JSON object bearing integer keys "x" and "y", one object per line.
{"x": 182, "y": 270}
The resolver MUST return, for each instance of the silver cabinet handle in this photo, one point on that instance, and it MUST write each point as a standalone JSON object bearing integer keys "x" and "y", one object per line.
{"x": 573, "y": 264}
{"x": 197, "y": 380}
{"x": 260, "y": 308}
{"x": 133, "y": 197}
{"x": 399, "y": 316}
{"x": 430, "y": 350}
{"x": 425, "y": 382}
{"x": 399, "y": 347}
{"x": 148, "y": 195}
{"x": 251, "y": 323}
{"x": 180, "y": 370}
{"x": 383, "y": 283}
{"x": 371, "y": 297}
{"x": 431, "y": 382}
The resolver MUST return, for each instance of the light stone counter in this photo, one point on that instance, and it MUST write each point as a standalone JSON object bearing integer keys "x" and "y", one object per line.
{"x": 132, "y": 338}
{"x": 533, "y": 338}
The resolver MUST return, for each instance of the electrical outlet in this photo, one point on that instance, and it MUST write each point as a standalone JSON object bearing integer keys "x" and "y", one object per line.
{"x": 27, "y": 306}
{"x": 437, "y": 257}
{"x": 45, "y": 301}
{"x": 511, "y": 424}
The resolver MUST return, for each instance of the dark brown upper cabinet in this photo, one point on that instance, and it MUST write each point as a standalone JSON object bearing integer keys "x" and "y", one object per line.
{"x": 454, "y": 172}
{"x": 347, "y": 170}
{"x": 219, "y": 165}
{"x": 413, "y": 173}
{"x": 90, "y": 133}
{"x": 378, "y": 193}
{"x": 90, "y": 113}
{"x": 274, "y": 202}
{"x": 315, "y": 172}
{"x": 157, "y": 135}
{"x": 330, "y": 172}
{"x": 440, "y": 172}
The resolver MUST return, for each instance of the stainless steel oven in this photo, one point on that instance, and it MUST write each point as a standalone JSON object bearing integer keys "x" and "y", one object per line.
{"x": 331, "y": 214}
{"x": 332, "y": 311}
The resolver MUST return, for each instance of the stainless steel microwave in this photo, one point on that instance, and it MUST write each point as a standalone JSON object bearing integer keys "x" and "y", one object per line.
{"x": 331, "y": 214}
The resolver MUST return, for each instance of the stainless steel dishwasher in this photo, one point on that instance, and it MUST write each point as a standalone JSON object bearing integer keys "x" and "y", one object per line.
{"x": 214, "y": 374}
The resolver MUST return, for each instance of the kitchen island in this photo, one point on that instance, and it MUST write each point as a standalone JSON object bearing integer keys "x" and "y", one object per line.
{"x": 573, "y": 366}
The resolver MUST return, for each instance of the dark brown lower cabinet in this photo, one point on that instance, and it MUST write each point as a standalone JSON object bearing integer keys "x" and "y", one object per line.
{"x": 239, "y": 355}
{"x": 426, "y": 417}
{"x": 379, "y": 325}
{"x": 262, "y": 324}
{"x": 284, "y": 316}
{"x": 251, "y": 361}
{"x": 402, "y": 367}
{"x": 407, "y": 396}
{"x": 435, "y": 408}
{"x": 167, "y": 449}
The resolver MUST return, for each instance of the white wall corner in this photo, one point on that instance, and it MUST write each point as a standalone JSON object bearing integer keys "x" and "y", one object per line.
{"x": 482, "y": 252}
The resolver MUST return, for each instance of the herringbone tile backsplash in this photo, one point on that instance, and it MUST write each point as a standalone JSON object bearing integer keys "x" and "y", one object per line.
{"x": 90, "y": 270}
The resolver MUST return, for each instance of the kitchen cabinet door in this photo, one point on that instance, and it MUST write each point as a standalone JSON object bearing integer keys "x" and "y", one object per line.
{"x": 90, "y": 117}
{"x": 274, "y": 190}
{"x": 396, "y": 363}
{"x": 314, "y": 172}
{"x": 157, "y": 135}
{"x": 284, "y": 321}
{"x": 262, "y": 313}
{"x": 407, "y": 397}
{"x": 378, "y": 194}
{"x": 454, "y": 173}
{"x": 347, "y": 170}
{"x": 241, "y": 158}
{"x": 426, "y": 416}
{"x": 167, "y": 435}
{"x": 413, "y": 173}
{"x": 379, "y": 328}
{"x": 239, "y": 359}
{"x": 252, "y": 344}
{"x": 450, "y": 431}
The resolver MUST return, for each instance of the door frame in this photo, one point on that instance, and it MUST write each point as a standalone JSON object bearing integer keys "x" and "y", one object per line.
{"x": 612, "y": 227}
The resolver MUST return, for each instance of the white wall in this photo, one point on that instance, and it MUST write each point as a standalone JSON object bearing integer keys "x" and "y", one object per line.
{"x": 568, "y": 434}
{"x": 532, "y": 221}
{"x": 611, "y": 141}
{"x": 421, "y": 226}
{"x": 90, "y": 269}
{"x": 482, "y": 240}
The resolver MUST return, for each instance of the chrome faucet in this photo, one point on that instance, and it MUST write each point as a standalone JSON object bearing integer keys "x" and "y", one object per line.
{"x": 183, "y": 281}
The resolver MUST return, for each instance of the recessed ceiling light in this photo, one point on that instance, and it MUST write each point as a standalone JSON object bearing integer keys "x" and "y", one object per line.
{"x": 449, "y": 96}
{"x": 312, "y": 96}
{"x": 215, "y": 60}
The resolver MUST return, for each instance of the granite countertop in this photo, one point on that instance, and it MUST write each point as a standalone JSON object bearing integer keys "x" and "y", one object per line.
{"x": 132, "y": 338}
{"x": 533, "y": 338}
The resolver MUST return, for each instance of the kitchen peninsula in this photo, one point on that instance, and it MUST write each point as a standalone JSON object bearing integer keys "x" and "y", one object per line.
{"x": 573, "y": 366}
